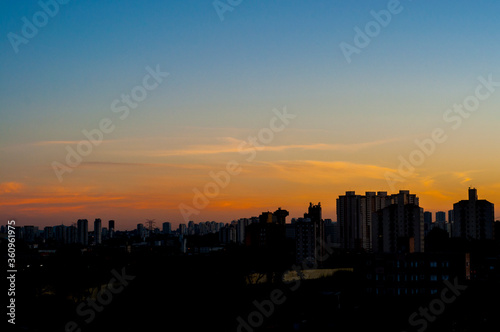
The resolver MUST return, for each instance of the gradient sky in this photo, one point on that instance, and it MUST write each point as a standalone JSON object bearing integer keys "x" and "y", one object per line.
{"x": 353, "y": 120}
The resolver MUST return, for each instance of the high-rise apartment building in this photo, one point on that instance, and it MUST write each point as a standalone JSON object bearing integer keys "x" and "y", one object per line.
{"x": 83, "y": 231}
{"x": 167, "y": 228}
{"x": 440, "y": 216}
{"x": 182, "y": 229}
{"x": 310, "y": 236}
{"x": 141, "y": 231}
{"x": 269, "y": 232}
{"x": 450, "y": 216}
{"x": 111, "y": 228}
{"x": 398, "y": 228}
{"x": 354, "y": 217}
{"x": 97, "y": 231}
{"x": 473, "y": 218}
{"x": 428, "y": 218}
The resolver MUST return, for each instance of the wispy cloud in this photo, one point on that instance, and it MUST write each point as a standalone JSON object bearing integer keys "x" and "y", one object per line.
{"x": 233, "y": 145}
{"x": 101, "y": 164}
{"x": 465, "y": 176}
{"x": 322, "y": 172}
{"x": 10, "y": 187}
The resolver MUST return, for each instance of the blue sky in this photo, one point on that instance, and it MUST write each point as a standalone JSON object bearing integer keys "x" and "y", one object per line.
{"x": 226, "y": 77}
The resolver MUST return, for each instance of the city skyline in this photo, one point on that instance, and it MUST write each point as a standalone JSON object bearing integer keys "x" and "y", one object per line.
{"x": 434, "y": 216}
{"x": 264, "y": 103}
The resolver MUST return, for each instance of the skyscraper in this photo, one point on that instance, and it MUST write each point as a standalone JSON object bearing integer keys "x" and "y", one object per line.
{"x": 399, "y": 227}
{"x": 83, "y": 231}
{"x": 240, "y": 230}
{"x": 354, "y": 215}
{"x": 167, "y": 227}
{"x": 428, "y": 218}
{"x": 281, "y": 216}
{"x": 350, "y": 220}
{"x": 427, "y": 222}
{"x": 71, "y": 234}
{"x": 451, "y": 219}
{"x": 141, "y": 231}
{"x": 48, "y": 232}
{"x": 440, "y": 216}
{"x": 269, "y": 232}
{"x": 60, "y": 233}
{"x": 310, "y": 236}
{"x": 111, "y": 228}
{"x": 182, "y": 229}
{"x": 98, "y": 231}
{"x": 473, "y": 218}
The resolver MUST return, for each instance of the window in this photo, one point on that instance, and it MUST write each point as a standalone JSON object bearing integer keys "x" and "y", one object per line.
{"x": 434, "y": 277}
{"x": 433, "y": 264}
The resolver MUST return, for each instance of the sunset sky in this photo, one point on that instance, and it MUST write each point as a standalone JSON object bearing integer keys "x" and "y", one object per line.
{"x": 227, "y": 80}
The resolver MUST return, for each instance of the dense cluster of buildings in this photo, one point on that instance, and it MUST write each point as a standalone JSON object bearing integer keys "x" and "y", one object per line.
{"x": 77, "y": 233}
{"x": 390, "y": 230}
{"x": 374, "y": 222}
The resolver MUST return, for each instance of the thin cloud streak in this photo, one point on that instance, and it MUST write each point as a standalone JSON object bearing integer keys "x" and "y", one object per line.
{"x": 236, "y": 146}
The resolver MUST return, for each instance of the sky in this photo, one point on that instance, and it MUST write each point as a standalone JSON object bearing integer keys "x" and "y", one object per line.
{"x": 219, "y": 110}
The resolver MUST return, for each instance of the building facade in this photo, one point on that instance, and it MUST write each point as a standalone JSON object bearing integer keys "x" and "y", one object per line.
{"x": 97, "y": 231}
{"x": 473, "y": 218}
{"x": 355, "y": 213}
{"x": 83, "y": 231}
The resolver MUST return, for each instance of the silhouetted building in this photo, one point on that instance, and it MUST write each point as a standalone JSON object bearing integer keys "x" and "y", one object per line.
{"x": 354, "y": 217}
{"x": 441, "y": 222}
{"x": 267, "y": 218}
{"x": 60, "y": 233}
{"x": 167, "y": 228}
{"x": 71, "y": 234}
{"x": 83, "y": 231}
{"x": 241, "y": 225}
{"x": 281, "y": 216}
{"x": 97, "y": 231}
{"x": 228, "y": 234}
{"x": 111, "y": 228}
{"x": 314, "y": 212}
{"x": 269, "y": 232}
{"x": 30, "y": 233}
{"x": 182, "y": 229}
{"x": 141, "y": 231}
{"x": 332, "y": 233}
{"x": 496, "y": 230}
{"x": 310, "y": 237}
{"x": 399, "y": 227}
{"x": 428, "y": 217}
{"x": 48, "y": 233}
{"x": 440, "y": 216}
{"x": 105, "y": 233}
{"x": 427, "y": 222}
{"x": 473, "y": 218}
